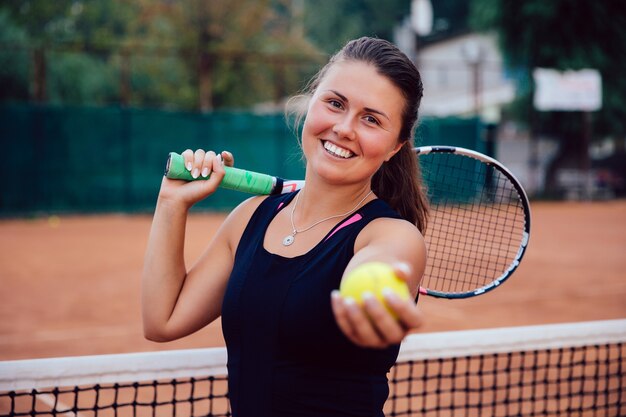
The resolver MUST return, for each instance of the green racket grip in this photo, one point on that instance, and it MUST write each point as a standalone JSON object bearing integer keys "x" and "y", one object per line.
{"x": 234, "y": 179}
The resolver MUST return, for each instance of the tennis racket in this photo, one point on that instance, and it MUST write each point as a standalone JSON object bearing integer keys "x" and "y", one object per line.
{"x": 479, "y": 223}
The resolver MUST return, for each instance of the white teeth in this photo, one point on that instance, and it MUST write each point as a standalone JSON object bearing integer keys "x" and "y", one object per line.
{"x": 337, "y": 151}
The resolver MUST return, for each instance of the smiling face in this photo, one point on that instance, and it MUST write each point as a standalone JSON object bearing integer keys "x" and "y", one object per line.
{"x": 353, "y": 123}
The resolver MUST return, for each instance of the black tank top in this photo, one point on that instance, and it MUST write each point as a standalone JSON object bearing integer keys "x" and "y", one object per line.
{"x": 286, "y": 354}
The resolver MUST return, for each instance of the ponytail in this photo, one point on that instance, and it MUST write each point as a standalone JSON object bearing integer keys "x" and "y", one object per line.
{"x": 399, "y": 183}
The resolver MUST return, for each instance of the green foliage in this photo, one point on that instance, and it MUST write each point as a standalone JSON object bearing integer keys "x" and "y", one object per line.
{"x": 73, "y": 40}
{"x": 331, "y": 23}
{"x": 257, "y": 50}
{"x": 14, "y": 62}
{"x": 76, "y": 78}
{"x": 161, "y": 81}
{"x": 450, "y": 16}
{"x": 563, "y": 35}
{"x": 248, "y": 41}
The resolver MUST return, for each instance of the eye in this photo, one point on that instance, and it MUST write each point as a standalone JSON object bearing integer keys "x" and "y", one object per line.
{"x": 371, "y": 119}
{"x": 335, "y": 103}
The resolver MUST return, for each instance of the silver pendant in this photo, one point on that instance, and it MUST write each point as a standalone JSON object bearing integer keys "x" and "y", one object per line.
{"x": 288, "y": 240}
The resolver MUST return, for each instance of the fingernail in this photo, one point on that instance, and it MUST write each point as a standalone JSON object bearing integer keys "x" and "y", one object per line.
{"x": 367, "y": 296}
{"x": 335, "y": 295}
{"x": 195, "y": 173}
{"x": 205, "y": 172}
{"x": 406, "y": 269}
{"x": 349, "y": 302}
{"x": 221, "y": 159}
{"x": 188, "y": 166}
{"x": 389, "y": 294}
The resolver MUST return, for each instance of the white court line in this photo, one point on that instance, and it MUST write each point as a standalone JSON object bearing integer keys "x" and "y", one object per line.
{"x": 49, "y": 401}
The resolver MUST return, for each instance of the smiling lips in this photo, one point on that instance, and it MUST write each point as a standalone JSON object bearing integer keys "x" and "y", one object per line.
{"x": 337, "y": 151}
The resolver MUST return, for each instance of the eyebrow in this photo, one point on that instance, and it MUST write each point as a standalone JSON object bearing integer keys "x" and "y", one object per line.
{"x": 367, "y": 109}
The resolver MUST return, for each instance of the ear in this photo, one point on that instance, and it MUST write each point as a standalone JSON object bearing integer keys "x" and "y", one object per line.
{"x": 394, "y": 151}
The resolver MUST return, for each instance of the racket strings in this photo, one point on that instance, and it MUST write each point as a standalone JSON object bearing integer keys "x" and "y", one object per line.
{"x": 476, "y": 224}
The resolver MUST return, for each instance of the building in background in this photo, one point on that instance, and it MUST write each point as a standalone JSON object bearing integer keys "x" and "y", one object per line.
{"x": 462, "y": 71}
{"x": 464, "y": 76}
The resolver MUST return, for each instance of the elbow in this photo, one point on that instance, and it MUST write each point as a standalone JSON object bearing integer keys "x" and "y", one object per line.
{"x": 154, "y": 335}
{"x": 155, "y": 338}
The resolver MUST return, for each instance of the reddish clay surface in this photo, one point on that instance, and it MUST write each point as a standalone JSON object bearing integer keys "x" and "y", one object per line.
{"x": 70, "y": 286}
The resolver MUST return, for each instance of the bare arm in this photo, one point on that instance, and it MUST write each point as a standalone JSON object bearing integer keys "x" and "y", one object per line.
{"x": 164, "y": 268}
{"x": 177, "y": 302}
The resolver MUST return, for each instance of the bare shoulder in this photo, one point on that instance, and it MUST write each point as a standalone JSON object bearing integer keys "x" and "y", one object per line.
{"x": 236, "y": 222}
{"x": 392, "y": 231}
{"x": 246, "y": 208}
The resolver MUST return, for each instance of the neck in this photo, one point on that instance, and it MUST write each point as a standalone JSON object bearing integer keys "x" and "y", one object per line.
{"x": 318, "y": 200}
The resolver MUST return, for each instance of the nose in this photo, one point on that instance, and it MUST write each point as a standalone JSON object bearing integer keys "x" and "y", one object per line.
{"x": 344, "y": 128}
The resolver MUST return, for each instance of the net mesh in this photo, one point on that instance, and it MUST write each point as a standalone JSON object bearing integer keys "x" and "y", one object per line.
{"x": 175, "y": 397}
{"x": 577, "y": 381}
{"x": 552, "y": 370}
{"x": 476, "y": 226}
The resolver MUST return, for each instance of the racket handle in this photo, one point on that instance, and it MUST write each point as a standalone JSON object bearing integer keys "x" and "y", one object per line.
{"x": 234, "y": 179}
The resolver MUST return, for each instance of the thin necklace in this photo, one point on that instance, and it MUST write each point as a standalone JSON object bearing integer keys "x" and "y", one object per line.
{"x": 289, "y": 239}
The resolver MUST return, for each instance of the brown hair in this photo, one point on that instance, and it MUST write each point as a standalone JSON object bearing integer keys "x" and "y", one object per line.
{"x": 398, "y": 181}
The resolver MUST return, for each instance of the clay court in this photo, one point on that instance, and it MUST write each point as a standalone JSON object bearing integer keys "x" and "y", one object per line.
{"x": 71, "y": 284}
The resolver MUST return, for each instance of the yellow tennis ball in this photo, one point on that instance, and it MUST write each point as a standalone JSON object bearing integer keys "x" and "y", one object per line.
{"x": 373, "y": 277}
{"x": 54, "y": 221}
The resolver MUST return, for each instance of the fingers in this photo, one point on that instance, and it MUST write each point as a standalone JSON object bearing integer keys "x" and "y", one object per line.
{"x": 405, "y": 272}
{"x": 389, "y": 327}
{"x": 407, "y": 312}
{"x": 215, "y": 170}
{"x": 353, "y": 322}
{"x": 205, "y": 165}
{"x": 229, "y": 160}
{"x": 188, "y": 156}
{"x": 402, "y": 270}
{"x": 372, "y": 325}
{"x": 201, "y": 163}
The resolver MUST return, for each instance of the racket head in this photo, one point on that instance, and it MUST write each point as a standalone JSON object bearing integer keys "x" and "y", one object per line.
{"x": 479, "y": 224}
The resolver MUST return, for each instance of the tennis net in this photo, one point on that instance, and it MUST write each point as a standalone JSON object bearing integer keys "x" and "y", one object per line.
{"x": 575, "y": 369}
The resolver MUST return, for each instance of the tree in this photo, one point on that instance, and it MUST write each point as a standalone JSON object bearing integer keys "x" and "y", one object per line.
{"x": 564, "y": 35}
{"x": 69, "y": 44}
{"x": 187, "y": 54}
{"x": 14, "y": 63}
{"x": 183, "y": 54}
{"x": 331, "y": 23}
{"x": 240, "y": 48}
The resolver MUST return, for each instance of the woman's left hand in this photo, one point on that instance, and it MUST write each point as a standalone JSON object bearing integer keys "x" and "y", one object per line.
{"x": 370, "y": 324}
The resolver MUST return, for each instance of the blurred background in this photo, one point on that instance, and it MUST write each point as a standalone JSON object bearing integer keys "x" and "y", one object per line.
{"x": 94, "y": 94}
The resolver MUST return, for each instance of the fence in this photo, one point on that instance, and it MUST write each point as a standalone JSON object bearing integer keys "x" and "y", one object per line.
{"x": 103, "y": 159}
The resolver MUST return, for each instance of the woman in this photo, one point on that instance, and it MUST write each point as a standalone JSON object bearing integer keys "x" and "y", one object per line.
{"x": 295, "y": 346}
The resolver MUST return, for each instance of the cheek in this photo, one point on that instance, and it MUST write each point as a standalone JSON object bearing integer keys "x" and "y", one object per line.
{"x": 377, "y": 145}
{"x": 314, "y": 122}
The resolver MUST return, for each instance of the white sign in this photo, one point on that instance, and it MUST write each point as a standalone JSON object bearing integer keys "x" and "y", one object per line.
{"x": 567, "y": 90}
{"x": 422, "y": 17}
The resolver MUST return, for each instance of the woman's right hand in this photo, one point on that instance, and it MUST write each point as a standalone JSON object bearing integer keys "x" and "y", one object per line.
{"x": 201, "y": 164}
